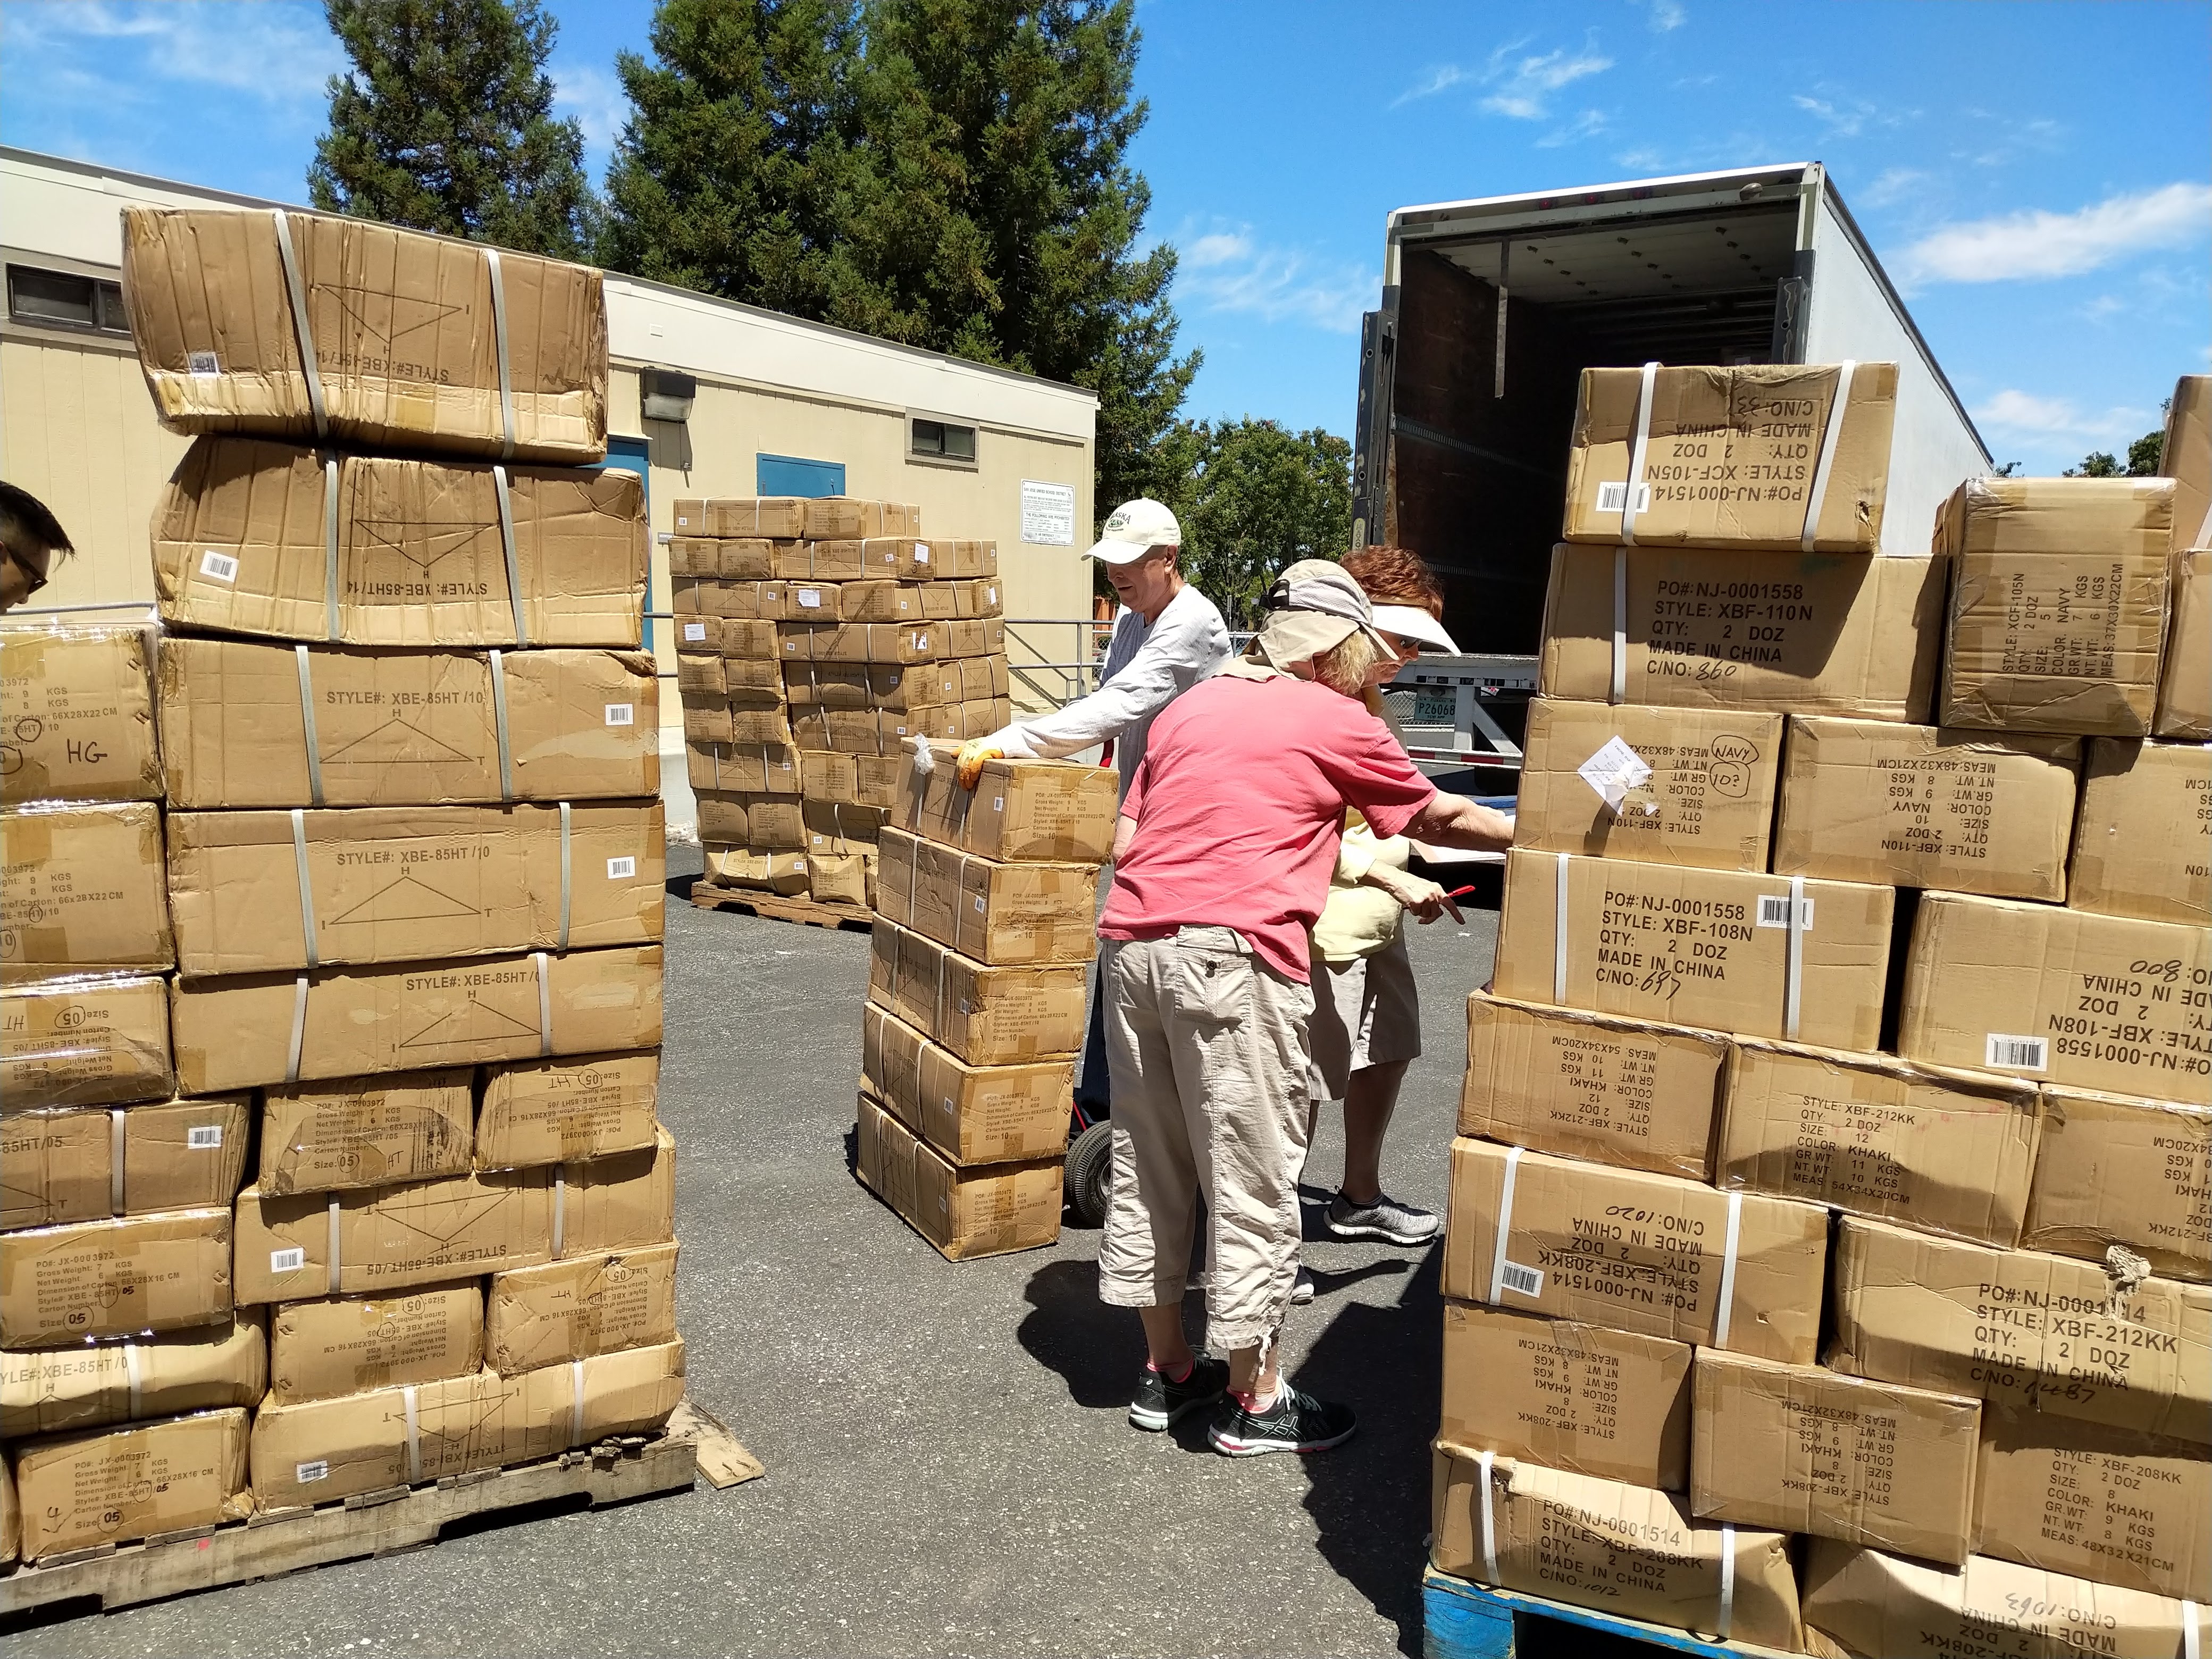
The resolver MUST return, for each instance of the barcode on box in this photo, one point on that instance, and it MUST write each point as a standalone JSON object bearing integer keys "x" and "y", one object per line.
{"x": 203, "y": 362}
{"x": 799, "y": 865}
{"x": 695, "y": 630}
{"x": 288, "y": 1261}
{"x": 621, "y": 869}
{"x": 1612, "y": 497}
{"x": 218, "y": 567}
{"x": 997, "y": 802}
{"x": 1521, "y": 1281}
{"x": 204, "y": 1137}
{"x": 618, "y": 713}
{"x": 2017, "y": 1054}
{"x": 979, "y": 904}
{"x": 1774, "y": 911}
{"x": 303, "y": 1473}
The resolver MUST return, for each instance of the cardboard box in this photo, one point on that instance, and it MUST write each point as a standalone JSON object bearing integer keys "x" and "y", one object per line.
{"x": 2024, "y": 1329}
{"x": 2186, "y": 457}
{"x": 347, "y": 1344}
{"x": 85, "y": 1040}
{"x": 710, "y": 596}
{"x": 834, "y": 826}
{"x": 2059, "y": 603}
{"x": 739, "y": 721}
{"x": 568, "y": 1111}
{"x": 856, "y": 780}
{"x": 91, "y": 1384}
{"x": 321, "y": 1451}
{"x": 2184, "y": 694}
{"x": 1689, "y": 787}
{"x": 737, "y": 516}
{"x": 888, "y": 642}
{"x": 1020, "y": 810}
{"x": 873, "y": 599}
{"x": 1861, "y": 1604}
{"x": 750, "y": 638}
{"x": 1945, "y": 1151}
{"x": 79, "y": 697}
{"x": 895, "y": 557}
{"x": 1607, "y": 1404}
{"x": 2060, "y": 995}
{"x": 2143, "y": 846}
{"x": 366, "y": 1131}
{"x": 965, "y": 1212}
{"x": 238, "y": 1033}
{"x": 2110, "y": 1170}
{"x": 732, "y": 558}
{"x": 565, "y": 1311}
{"x": 988, "y": 1015}
{"x": 414, "y": 728}
{"x": 1001, "y": 913}
{"x": 1607, "y": 1544}
{"x": 969, "y": 1114}
{"x": 249, "y": 536}
{"x": 1758, "y": 456}
{"x": 112, "y": 1486}
{"x": 416, "y": 342}
{"x": 1644, "y": 1252}
{"x": 1698, "y": 947}
{"x": 1798, "y": 1448}
{"x": 1621, "y": 1091}
{"x": 624, "y": 1201}
{"x": 396, "y": 884}
{"x": 81, "y": 1164}
{"x": 740, "y": 866}
{"x": 831, "y": 516}
{"x": 701, "y": 679}
{"x": 890, "y": 686}
{"x": 10, "y": 1532}
{"x": 81, "y": 887}
{"x": 754, "y": 769}
{"x": 1698, "y": 627}
{"x": 2095, "y": 1502}
{"x": 842, "y": 879}
{"x": 891, "y": 733}
{"x": 767, "y": 824}
{"x": 1920, "y": 806}
{"x": 162, "y": 1272}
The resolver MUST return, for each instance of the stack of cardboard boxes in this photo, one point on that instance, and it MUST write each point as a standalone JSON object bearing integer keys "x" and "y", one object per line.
{"x": 986, "y": 923}
{"x": 412, "y": 863}
{"x": 817, "y": 639}
{"x": 1793, "y": 990}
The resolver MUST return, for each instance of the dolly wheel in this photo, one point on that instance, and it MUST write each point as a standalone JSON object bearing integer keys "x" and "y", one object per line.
{"x": 1090, "y": 1172}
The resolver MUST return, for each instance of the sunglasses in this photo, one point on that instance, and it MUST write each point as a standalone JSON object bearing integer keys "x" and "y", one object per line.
{"x": 33, "y": 578}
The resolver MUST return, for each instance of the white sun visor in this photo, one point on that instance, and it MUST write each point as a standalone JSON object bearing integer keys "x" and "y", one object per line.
{"x": 1410, "y": 621}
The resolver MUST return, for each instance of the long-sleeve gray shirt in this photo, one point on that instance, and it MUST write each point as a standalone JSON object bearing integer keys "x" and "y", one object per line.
{"x": 1146, "y": 666}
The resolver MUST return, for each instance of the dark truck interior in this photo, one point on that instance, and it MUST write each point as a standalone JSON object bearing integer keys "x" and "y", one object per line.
{"x": 1477, "y": 462}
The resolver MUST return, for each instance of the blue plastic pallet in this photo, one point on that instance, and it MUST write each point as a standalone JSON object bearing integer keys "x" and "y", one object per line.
{"x": 1473, "y": 1621}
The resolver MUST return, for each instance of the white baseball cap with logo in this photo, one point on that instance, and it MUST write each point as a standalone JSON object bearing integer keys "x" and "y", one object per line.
{"x": 1134, "y": 529}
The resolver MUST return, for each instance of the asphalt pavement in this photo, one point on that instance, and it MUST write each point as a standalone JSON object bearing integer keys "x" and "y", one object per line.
{"x": 949, "y": 1467}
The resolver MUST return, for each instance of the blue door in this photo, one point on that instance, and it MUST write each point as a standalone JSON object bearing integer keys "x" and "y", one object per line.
{"x": 789, "y": 475}
{"x": 629, "y": 454}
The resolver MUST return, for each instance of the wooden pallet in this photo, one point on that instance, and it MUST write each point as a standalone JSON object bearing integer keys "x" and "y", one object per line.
{"x": 1464, "y": 1621}
{"x": 374, "y": 1524}
{"x": 778, "y": 908}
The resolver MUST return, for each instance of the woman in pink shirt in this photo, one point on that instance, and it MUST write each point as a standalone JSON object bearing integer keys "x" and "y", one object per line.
{"x": 1223, "y": 856}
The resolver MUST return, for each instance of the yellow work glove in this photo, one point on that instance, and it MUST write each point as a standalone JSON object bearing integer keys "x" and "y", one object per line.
{"x": 969, "y": 768}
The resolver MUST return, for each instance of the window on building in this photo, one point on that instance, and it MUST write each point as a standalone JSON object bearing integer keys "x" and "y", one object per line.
{"x": 941, "y": 440}
{"x": 62, "y": 299}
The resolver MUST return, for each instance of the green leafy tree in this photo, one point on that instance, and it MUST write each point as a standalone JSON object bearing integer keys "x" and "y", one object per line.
{"x": 445, "y": 123}
{"x": 2145, "y": 454}
{"x": 2097, "y": 463}
{"x": 1261, "y": 497}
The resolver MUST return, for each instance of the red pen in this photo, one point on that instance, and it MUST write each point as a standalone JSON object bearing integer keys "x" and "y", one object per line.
{"x": 1459, "y": 892}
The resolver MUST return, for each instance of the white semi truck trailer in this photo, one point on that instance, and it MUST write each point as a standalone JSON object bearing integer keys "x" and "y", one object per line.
{"x": 1491, "y": 310}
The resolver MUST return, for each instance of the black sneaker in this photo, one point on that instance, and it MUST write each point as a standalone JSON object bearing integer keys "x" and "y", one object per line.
{"x": 1385, "y": 1218}
{"x": 1295, "y": 1422}
{"x": 1161, "y": 1404}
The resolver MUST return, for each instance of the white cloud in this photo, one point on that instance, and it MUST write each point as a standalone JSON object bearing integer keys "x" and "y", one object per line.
{"x": 1440, "y": 77}
{"x": 1667, "y": 16}
{"x": 1229, "y": 269}
{"x": 280, "y": 51}
{"x": 595, "y": 97}
{"x": 1522, "y": 86}
{"x": 1892, "y": 185}
{"x": 1841, "y": 118}
{"x": 2025, "y": 416}
{"x": 1588, "y": 124}
{"x": 2040, "y": 244}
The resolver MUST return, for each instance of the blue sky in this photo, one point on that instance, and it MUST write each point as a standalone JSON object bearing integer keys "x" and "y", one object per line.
{"x": 2037, "y": 177}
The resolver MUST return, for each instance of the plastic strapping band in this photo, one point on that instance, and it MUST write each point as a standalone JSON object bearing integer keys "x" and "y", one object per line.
{"x": 305, "y": 334}
{"x": 331, "y": 1244}
{"x": 330, "y": 546}
{"x": 559, "y": 1209}
{"x": 307, "y": 890}
{"x": 1483, "y": 1463}
{"x": 499, "y": 340}
{"x": 308, "y": 725}
{"x": 544, "y": 1004}
{"x": 1728, "y": 1580}
{"x": 499, "y": 723}
{"x": 134, "y": 1377}
{"x": 1559, "y": 932}
{"x": 2192, "y": 1640}
{"x": 1505, "y": 1224}
{"x": 1728, "y": 1270}
{"x": 299, "y": 1029}
{"x": 566, "y": 886}
{"x": 1792, "y": 974}
{"x": 575, "y": 1402}
{"x": 1619, "y": 624}
{"x": 115, "y": 1161}
{"x": 507, "y": 547}
{"x": 414, "y": 1437}
{"x": 1635, "y": 451}
{"x": 1817, "y": 497}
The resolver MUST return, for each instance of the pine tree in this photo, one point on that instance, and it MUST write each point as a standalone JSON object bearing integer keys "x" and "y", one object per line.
{"x": 445, "y": 123}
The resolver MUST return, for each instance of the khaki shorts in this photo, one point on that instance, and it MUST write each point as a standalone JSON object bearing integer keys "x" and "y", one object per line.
{"x": 1367, "y": 1012}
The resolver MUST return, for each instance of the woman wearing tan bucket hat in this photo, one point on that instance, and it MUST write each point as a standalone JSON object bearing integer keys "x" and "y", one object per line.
{"x": 1224, "y": 852}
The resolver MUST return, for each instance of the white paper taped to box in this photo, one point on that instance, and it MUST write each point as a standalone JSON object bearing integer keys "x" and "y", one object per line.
{"x": 1614, "y": 771}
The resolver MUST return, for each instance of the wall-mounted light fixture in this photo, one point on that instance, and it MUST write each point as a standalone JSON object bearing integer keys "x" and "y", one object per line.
{"x": 667, "y": 394}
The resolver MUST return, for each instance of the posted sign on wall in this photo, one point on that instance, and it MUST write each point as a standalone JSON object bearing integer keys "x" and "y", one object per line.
{"x": 1047, "y": 513}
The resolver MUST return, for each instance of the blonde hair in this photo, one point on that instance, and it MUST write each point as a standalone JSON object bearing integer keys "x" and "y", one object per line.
{"x": 1343, "y": 668}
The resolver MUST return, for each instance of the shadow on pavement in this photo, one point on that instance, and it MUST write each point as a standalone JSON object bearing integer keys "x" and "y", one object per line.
{"x": 1370, "y": 1501}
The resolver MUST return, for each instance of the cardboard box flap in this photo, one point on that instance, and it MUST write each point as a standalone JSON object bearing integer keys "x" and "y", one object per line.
{"x": 80, "y": 702}
{"x": 86, "y": 1385}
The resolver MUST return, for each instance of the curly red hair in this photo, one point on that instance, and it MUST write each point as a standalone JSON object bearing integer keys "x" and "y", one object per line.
{"x": 1395, "y": 575}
